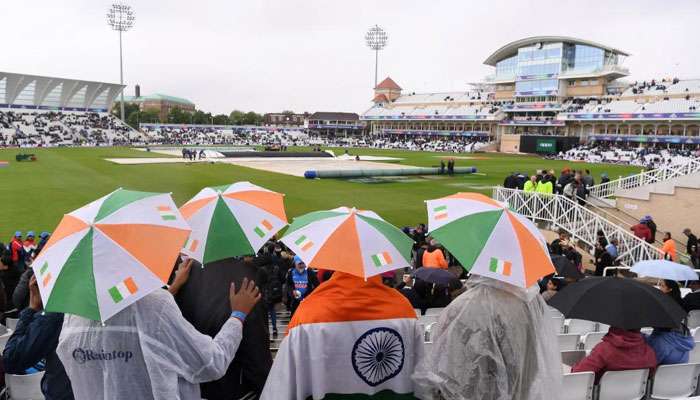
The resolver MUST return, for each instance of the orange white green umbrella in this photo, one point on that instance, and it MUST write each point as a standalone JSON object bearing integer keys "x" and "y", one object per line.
{"x": 110, "y": 253}
{"x": 488, "y": 239}
{"x": 231, "y": 221}
{"x": 357, "y": 242}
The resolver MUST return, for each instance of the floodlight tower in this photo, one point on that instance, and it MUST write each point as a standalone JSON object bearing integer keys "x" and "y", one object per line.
{"x": 376, "y": 40}
{"x": 121, "y": 18}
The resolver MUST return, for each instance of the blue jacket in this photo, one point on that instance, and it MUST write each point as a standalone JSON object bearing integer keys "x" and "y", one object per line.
{"x": 36, "y": 339}
{"x": 670, "y": 347}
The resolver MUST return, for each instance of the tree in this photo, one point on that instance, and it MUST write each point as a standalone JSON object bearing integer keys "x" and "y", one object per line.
{"x": 252, "y": 118}
{"x": 236, "y": 117}
{"x": 221, "y": 119}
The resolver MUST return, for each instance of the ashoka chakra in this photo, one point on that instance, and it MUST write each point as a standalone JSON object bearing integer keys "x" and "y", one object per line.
{"x": 377, "y": 355}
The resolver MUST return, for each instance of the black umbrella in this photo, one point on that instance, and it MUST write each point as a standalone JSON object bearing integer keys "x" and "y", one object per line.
{"x": 619, "y": 302}
{"x": 565, "y": 268}
{"x": 436, "y": 275}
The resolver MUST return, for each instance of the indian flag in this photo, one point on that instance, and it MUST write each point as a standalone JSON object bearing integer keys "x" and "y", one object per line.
{"x": 375, "y": 349}
{"x": 44, "y": 274}
{"x": 381, "y": 259}
{"x": 440, "y": 212}
{"x": 191, "y": 245}
{"x": 500, "y": 266}
{"x": 166, "y": 213}
{"x": 122, "y": 290}
{"x": 263, "y": 228}
{"x": 304, "y": 243}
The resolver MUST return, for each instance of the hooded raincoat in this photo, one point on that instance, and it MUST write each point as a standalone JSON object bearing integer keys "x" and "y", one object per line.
{"x": 493, "y": 342}
{"x": 671, "y": 347}
{"x": 146, "y": 351}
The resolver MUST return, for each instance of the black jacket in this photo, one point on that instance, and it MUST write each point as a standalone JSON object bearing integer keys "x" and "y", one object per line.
{"x": 691, "y": 301}
{"x": 35, "y": 339}
{"x": 204, "y": 302}
{"x": 692, "y": 244}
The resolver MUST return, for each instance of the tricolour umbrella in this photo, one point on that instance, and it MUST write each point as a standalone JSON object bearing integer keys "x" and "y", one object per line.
{"x": 663, "y": 269}
{"x": 620, "y": 302}
{"x": 357, "y": 242}
{"x": 110, "y": 253}
{"x": 488, "y": 239}
{"x": 231, "y": 221}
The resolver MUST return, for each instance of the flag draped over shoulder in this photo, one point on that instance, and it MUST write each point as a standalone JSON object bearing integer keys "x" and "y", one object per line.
{"x": 350, "y": 337}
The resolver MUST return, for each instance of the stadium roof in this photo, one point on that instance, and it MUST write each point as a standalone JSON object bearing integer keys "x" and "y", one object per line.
{"x": 511, "y": 48}
{"x": 388, "y": 83}
{"x": 334, "y": 116}
{"x": 52, "y": 93}
{"x": 158, "y": 97}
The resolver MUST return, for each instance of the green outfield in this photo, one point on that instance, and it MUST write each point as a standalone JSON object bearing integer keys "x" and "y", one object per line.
{"x": 34, "y": 195}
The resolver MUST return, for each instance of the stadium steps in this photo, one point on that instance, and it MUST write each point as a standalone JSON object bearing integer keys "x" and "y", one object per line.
{"x": 560, "y": 212}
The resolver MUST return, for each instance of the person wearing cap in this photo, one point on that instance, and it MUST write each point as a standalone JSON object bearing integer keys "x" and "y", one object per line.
{"x": 29, "y": 244}
{"x": 43, "y": 238}
{"x": 16, "y": 250}
{"x": 648, "y": 221}
{"x": 641, "y": 230}
{"x": 301, "y": 281}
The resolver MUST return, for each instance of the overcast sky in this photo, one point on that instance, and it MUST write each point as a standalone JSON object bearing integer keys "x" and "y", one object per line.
{"x": 310, "y": 55}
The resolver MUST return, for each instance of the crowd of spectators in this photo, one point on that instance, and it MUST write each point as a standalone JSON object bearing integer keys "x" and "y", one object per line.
{"x": 649, "y": 157}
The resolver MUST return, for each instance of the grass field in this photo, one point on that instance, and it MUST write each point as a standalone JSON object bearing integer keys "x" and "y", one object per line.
{"x": 34, "y": 195}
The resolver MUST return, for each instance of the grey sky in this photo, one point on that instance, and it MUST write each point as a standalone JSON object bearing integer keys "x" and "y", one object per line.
{"x": 310, "y": 55}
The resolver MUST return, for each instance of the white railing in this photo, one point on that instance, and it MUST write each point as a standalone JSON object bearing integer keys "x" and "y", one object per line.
{"x": 581, "y": 223}
{"x": 607, "y": 190}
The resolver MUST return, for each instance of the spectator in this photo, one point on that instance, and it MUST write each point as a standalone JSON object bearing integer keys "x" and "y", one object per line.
{"x": 419, "y": 235}
{"x": 511, "y": 181}
{"x": 11, "y": 275}
{"x": 35, "y": 339}
{"x": 493, "y": 341}
{"x": 669, "y": 248}
{"x": 691, "y": 301}
{"x": 619, "y": 350}
{"x": 301, "y": 281}
{"x": 552, "y": 287}
{"x": 670, "y": 346}
{"x": 604, "y": 178}
{"x": 612, "y": 249}
{"x": 433, "y": 257}
{"x": 545, "y": 186}
{"x": 588, "y": 179}
{"x": 531, "y": 184}
{"x": 417, "y": 292}
{"x": 641, "y": 230}
{"x": 29, "y": 246}
{"x": 564, "y": 179}
{"x": 43, "y": 238}
{"x": 156, "y": 353}
{"x": 270, "y": 279}
{"x": 17, "y": 252}
{"x": 603, "y": 259}
{"x": 652, "y": 228}
{"x": 600, "y": 238}
{"x": 691, "y": 247}
{"x": 671, "y": 289}
{"x": 558, "y": 244}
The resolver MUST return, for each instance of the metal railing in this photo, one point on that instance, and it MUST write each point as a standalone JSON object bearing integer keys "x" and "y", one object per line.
{"x": 608, "y": 189}
{"x": 581, "y": 223}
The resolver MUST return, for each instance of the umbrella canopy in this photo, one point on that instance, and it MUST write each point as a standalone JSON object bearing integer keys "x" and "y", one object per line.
{"x": 488, "y": 239}
{"x": 663, "y": 269}
{"x": 436, "y": 275}
{"x": 565, "y": 268}
{"x": 619, "y": 302}
{"x": 232, "y": 220}
{"x": 110, "y": 253}
{"x": 357, "y": 242}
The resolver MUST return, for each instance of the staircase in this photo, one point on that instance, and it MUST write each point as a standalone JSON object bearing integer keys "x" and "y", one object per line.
{"x": 580, "y": 222}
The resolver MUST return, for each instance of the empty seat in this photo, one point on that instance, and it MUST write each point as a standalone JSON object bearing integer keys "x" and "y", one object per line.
{"x": 580, "y": 326}
{"x": 24, "y": 387}
{"x": 602, "y": 328}
{"x": 572, "y": 357}
{"x": 623, "y": 385}
{"x": 675, "y": 381}
{"x": 693, "y": 319}
{"x": 434, "y": 311}
{"x": 578, "y": 386}
{"x": 591, "y": 339}
{"x": 568, "y": 342}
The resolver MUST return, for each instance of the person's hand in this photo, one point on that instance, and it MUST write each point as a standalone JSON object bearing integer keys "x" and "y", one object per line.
{"x": 181, "y": 276}
{"x": 35, "y": 302}
{"x": 246, "y": 297}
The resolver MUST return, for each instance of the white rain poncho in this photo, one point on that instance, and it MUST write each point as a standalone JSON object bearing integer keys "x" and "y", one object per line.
{"x": 146, "y": 351}
{"x": 493, "y": 342}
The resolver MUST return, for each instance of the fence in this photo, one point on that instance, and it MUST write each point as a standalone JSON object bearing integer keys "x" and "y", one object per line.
{"x": 607, "y": 190}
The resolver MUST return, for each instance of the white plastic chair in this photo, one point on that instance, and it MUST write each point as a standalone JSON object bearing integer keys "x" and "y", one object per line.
{"x": 24, "y": 387}
{"x": 694, "y": 356}
{"x": 623, "y": 385}
{"x": 434, "y": 311}
{"x": 591, "y": 339}
{"x": 558, "y": 324}
{"x": 428, "y": 347}
{"x": 428, "y": 330}
{"x": 675, "y": 381}
{"x": 578, "y": 386}
{"x": 3, "y": 340}
{"x": 568, "y": 342}
{"x": 602, "y": 328}
{"x": 11, "y": 323}
{"x": 695, "y": 333}
{"x": 427, "y": 319}
{"x": 572, "y": 357}
{"x": 693, "y": 319}
{"x": 553, "y": 312}
{"x": 580, "y": 326}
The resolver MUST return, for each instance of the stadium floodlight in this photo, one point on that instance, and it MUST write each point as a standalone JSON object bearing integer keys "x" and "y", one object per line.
{"x": 121, "y": 18}
{"x": 376, "y": 39}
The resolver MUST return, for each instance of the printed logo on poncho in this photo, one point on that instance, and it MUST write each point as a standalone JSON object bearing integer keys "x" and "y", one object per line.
{"x": 440, "y": 212}
{"x": 44, "y": 274}
{"x": 123, "y": 289}
{"x": 166, "y": 213}
{"x": 378, "y": 355}
{"x": 500, "y": 266}
{"x": 304, "y": 243}
{"x": 381, "y": 259}
{"x": 262, "y": 229}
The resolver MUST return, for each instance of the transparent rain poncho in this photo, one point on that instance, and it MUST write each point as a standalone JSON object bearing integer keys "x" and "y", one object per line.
{"x": 493, "y": 342}
{"x": 146, "y": 351}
